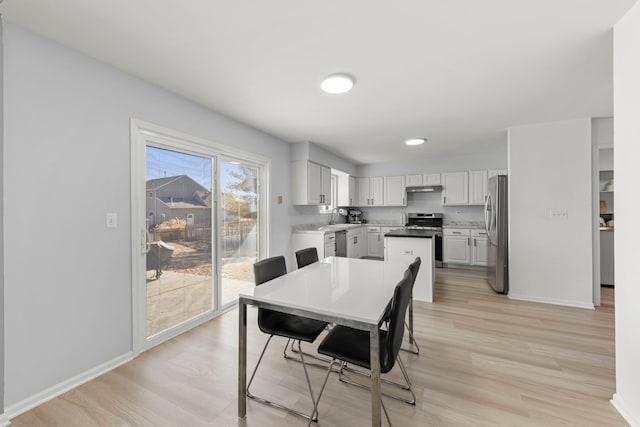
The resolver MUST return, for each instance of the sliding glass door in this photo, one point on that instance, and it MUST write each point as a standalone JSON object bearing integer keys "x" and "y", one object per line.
{"x": 199, "y": 216}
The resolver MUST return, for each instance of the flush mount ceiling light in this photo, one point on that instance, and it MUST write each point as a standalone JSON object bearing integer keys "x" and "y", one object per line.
{"x": 415, "y": 141}
{"x": 337, "y": 83}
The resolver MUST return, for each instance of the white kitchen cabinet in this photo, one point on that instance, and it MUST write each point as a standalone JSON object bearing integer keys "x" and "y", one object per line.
{"x": 311, "y": 183}
{"x": 355, "y": 246}
{"x": 480, "y": 247}
{"x": 456, "y": 248}
{"x": 346, "y": 190}
{"x": 370, "y": 191}
{"x": 325, "y": 243}
{"x": 465, "y": 246}
{"x": 414, "y": 180}
{"x": 455, "y": 189}
{"x": 477, "y": 187}
{"x": 395, "y": 192}
{"x": 431, "y": 179}
{"x": 417, "y": 180}
{"x": 375, "y": 244}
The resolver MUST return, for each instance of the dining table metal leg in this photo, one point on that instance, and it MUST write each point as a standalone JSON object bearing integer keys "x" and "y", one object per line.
{"x": 374, "y": 348}
{"x": 242, "y": 360}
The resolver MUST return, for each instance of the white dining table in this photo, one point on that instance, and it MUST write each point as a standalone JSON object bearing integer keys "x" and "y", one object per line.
{"x": 345, "y": 291}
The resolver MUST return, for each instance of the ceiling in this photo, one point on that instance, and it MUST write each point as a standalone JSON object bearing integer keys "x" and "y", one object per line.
{"x": 458, "y": 72}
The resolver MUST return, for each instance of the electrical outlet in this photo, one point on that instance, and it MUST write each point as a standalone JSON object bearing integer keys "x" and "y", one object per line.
{"x": 559, "y": 215}
{"x": 279, "y": 200}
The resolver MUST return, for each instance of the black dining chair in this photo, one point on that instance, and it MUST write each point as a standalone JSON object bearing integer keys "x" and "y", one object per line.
{"x": 306, "y": 256}
{"x": 352, "y": 345}
{"x": 275, "y": 323}
{"x": 413, "y": 267}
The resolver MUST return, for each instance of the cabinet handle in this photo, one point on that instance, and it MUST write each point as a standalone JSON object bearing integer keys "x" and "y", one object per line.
{"x": 475, "y": 242}
{"x": 457, "y": 232}
{"x": 444, "y": 200}
{"x": 372, "y": 201}
{"x": 403, "y": 201}
{"x": 469, "y": 241}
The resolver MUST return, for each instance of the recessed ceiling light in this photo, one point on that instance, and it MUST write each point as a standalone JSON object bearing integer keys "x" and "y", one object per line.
{"x": 415, "y": 141}
{"x": 337, "y": 83}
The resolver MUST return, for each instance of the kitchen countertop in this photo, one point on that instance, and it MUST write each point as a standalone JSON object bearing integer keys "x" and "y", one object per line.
{"x": 404, "y": 232}
{"x": 460, "y": 224}
{"x": 332, "y": 228}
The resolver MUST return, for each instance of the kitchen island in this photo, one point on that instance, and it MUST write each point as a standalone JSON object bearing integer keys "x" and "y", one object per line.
{"x": 404, "y": 245}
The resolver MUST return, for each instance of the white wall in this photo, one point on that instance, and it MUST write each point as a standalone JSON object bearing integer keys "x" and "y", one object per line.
{"x": 66, "y": 164}
{"x": 550, "y": 169}
{"x": 627, "y": 250}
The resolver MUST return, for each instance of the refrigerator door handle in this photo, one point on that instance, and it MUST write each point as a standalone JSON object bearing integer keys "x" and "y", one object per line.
{"x": 487, "y": 209}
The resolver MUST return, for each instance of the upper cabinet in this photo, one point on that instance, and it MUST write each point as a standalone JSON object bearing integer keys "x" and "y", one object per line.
{"x": 417, "y": 180}
{"x": 347, "y": 190}
{"x": 464, "y": 188}
{"x": 455, "y": 188}
{"x": 477, "y": 187}
{"x": 370, "y": 191}
{"x": 311, "y": 183}
{"x": 395, "y": 192}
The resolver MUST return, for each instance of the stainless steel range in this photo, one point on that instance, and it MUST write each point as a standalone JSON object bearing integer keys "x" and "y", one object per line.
{"x": 428, "y": 221}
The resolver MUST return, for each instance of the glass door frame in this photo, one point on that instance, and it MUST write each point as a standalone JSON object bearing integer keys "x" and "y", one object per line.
{"x": 141, "y": 135}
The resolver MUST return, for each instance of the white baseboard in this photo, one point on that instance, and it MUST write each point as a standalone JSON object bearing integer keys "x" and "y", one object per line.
{"x": 4, "y": 420}
{"x": 624, "y": 410}
{"x": 569, "y": 303}
{"x": 18, "y": 408}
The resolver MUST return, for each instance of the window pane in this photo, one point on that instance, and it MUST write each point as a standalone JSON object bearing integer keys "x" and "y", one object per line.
{"x": 238, "y": 185}
{"x": 178, "y": 212}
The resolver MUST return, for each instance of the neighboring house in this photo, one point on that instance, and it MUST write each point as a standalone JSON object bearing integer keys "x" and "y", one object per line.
{"x": 177, "y": 197}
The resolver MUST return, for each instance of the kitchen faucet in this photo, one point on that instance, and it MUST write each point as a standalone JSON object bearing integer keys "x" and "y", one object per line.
{"x": 331, "y": 220}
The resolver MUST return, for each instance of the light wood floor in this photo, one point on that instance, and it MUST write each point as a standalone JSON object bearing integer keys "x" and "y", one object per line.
{"x": 486, "y": 360}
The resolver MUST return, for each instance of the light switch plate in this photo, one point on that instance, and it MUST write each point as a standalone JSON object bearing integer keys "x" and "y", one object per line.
{"x": 112, "y": 220}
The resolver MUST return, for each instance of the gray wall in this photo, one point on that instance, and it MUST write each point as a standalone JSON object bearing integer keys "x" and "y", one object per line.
{"x": 1, "y": 217}
{"x": 550, "y": 169}
{"x": 67, "y": 127}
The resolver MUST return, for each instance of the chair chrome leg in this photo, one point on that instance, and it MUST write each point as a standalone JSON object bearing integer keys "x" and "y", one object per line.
{"x": 343, "y": 378}
{"x": 406, "y": 378}
{"x": 324, "y": 384}
{"x": 386, "y": 414}
{"x": 412, "y": 341}
{"x": 311, "y": 417}
{"x": 325, "y": 361}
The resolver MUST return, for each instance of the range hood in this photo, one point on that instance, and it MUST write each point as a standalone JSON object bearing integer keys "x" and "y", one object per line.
{"x": 424, "y": 189}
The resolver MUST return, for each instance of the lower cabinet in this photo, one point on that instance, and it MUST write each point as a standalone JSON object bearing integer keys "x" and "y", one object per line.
{"x": 356, "y": 247}
{"x": 480, "y": 250}
{"x": 375, "y": 243}
{"x": 465, "y": 246}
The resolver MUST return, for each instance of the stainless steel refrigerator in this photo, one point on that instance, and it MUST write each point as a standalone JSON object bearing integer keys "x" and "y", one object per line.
{"x": 496, "y": 223}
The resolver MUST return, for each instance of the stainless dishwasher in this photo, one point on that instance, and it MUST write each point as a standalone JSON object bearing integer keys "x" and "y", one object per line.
{"x": 341, "y": 243}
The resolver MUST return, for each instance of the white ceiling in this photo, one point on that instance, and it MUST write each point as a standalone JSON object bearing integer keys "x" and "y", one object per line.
{"x": 456, "y": 71}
